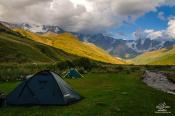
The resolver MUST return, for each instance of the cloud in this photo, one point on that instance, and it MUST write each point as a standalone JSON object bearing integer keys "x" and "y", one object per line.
{"x": 76, "y": 15}
{"x": 161, "y": 16}
{"x": 154, "y": 34}
{"x": 168, "y": 33}
{"x": 171, "y": 28}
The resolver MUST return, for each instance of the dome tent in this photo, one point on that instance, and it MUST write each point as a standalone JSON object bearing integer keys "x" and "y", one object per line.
{"x": 73, "y": 73}
{"x": 43, "y": 88}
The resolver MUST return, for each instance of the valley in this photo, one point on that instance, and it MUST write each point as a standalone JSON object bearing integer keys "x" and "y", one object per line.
{"x": 99, "y": 47}
{"x": 54, "y": 45}
{"x": 164, "y": 56}
{"x": 87, "y": 58}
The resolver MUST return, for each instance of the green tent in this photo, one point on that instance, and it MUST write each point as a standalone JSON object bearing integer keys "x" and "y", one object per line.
{"x": 73, "y": 73}
{"x": 43, "y": 88}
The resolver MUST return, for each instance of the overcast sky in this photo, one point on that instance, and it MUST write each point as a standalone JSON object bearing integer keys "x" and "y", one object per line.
{"x": 82, "y": 15}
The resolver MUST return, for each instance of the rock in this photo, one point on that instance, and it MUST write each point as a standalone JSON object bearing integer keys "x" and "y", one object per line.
{"x": 158, "y": 81}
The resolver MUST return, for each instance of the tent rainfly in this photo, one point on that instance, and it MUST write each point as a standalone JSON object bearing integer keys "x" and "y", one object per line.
{"x": 43, "y": 88}
{"x": 73, "y": 73}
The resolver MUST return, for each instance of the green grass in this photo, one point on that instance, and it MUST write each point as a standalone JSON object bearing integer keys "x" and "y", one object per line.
{"x": 21, "y": 50}
{"x": 106, "y": 94}
{"x": 7, "y": 87}
{"x": 172, "y": 78}
{"x": 16, "y": 48}
{"x": 163, "y": 56}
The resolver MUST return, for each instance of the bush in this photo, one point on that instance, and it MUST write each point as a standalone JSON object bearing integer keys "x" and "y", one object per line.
{"x": 65, "y": 65}
{"x": 85, "y": 63}
{"x": 119, "y": 68}
{"x": 82, "y": 71}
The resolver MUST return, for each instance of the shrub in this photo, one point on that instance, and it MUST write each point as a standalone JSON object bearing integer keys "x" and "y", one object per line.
{"x": 85, "y": 63}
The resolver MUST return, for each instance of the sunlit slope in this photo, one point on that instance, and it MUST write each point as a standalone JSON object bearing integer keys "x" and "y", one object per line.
{"x": 16, "y": 49}
{"x": 165, "y": 56}
{"x": 70, "y": 44}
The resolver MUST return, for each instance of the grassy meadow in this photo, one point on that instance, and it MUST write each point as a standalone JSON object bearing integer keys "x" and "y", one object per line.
{"x": 109, "y": 90}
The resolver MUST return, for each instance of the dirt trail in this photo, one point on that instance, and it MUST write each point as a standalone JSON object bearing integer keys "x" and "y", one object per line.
{"x": 158, "y": 81}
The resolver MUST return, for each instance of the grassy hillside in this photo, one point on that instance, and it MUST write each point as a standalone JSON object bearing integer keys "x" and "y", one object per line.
{"x": 165, "y": 56}
{"x": 70, "y": 44}
{"x": 17, "y": 49}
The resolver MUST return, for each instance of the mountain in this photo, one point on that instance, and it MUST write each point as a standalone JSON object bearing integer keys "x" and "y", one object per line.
{"x": 70, "y": 44}
{"x": 21, "y": 46}
{"x": 34, "y": 28}
{"x": 115, "y": 47}
{"x": 62, "y": 40}
{"x": 125, "y": 48}
{"x": 17, "y": 49}
{"x": 142, "y": 45}
{"x": 164, "y": 56}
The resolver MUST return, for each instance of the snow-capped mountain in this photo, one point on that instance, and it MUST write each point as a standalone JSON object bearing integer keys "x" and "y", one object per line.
{"x": 41, "y": 28}
{"x": 116, "y": 47}
{"x": 36, "y": 28}
{"x": 146, "y": 44}
{"x": 126, "y": 48}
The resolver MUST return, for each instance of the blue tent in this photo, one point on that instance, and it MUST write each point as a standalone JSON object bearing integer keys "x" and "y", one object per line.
{"x": 43, "y": 88}
{"x": 73, "y": 73}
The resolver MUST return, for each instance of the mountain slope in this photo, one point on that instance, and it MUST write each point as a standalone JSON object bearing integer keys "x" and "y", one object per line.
{"x": 126, "y": 49}
{"x": 164, "y": 56}
{"x": 122, "y": 48}
{"x": 70, "y": 44}
{"x": 17, "y": 49}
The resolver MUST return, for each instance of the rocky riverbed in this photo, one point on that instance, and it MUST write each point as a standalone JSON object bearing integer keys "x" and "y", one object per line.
{"x": 158, "y": 81}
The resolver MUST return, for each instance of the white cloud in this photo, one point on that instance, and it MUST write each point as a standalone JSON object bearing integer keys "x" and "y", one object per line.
{"x": 154, "y": 34}
{"x": 77, "y": 15}
{"x": 171, "y": 28}
{"x": 84, "y": 3}
{"x": 168, "y": 33}
{"x": 161, "y": 16}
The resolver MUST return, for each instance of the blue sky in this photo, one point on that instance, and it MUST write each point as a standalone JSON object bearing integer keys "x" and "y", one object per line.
{"x": 150, "y": 20}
